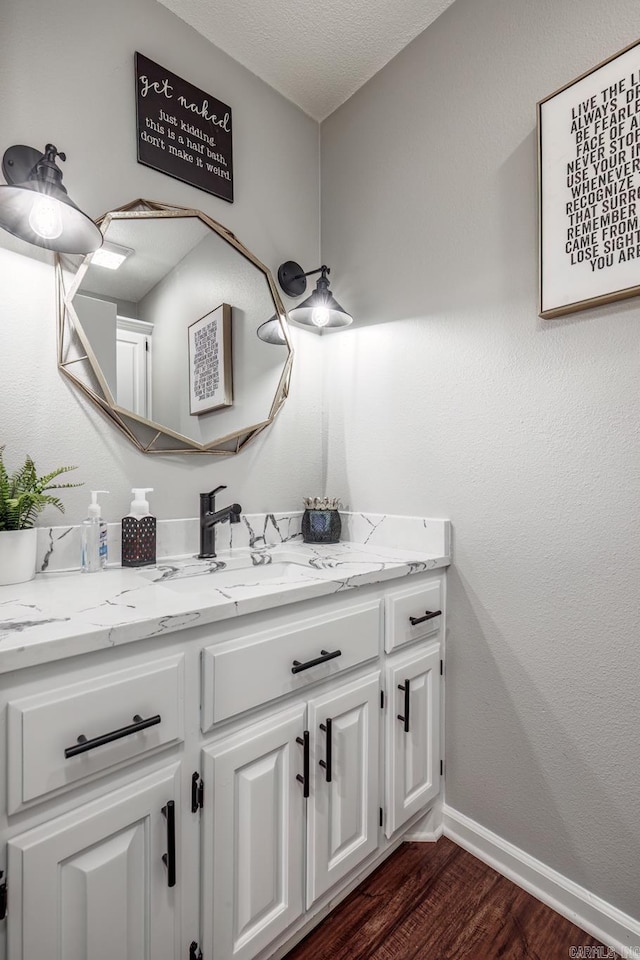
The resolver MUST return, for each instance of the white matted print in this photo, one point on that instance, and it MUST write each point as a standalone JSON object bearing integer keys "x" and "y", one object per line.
{"x": 210, "y": 362}
{"x": 589, "y": 187}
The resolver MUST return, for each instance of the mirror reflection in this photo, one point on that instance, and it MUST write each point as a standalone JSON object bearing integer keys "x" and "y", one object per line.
{"x": 168, "y": 310}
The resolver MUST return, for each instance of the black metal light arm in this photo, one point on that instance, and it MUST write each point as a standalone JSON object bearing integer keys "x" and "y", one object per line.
{"x": 310, "y": 273}
{"x": 292, "y": 278}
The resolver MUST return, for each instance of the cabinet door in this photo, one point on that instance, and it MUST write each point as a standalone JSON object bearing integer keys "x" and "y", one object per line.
{"x": 343, "y": 809}
{"x": 91, "y": 885}
{"x": 412, "y": 735}
{"x": 253, "y": 836}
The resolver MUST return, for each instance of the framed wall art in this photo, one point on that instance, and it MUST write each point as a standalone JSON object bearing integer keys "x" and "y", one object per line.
{"x": 589, "y": 188}
{"x": 210, "y": 362}
{"x": 183, "y": 131}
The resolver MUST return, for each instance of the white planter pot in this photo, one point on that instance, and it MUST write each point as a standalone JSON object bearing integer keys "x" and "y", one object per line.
{"x": 17, "y": 555}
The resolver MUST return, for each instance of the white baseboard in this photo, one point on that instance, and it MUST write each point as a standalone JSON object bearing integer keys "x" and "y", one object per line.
{"x": 427, "y": 829}
{"x": 600, "y": 919}
{"x": 424, "y": 836}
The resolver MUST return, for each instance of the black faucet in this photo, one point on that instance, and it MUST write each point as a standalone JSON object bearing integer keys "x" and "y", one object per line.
{"x": 209, "y": 516}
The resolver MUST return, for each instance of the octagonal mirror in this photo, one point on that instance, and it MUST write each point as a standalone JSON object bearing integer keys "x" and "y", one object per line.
{"x": 159, "y": 330}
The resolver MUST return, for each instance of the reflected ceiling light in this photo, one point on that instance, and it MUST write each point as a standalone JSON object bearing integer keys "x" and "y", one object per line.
{"x": 271, "y": 331}
{"x": 110, "y": 255}
{"x": 35, "y": 207}
{"x": 321, "y": 309}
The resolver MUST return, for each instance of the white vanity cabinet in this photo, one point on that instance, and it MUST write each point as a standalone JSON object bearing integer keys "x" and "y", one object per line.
{"x": 91, "y": 885}
{"x": 344, "y": 790}
{"x": 253, "y": 836}
{"x": 68, "y": 733}
{"x": 301, "y": 786}
{"x": 278, "y": 776}
{"x": 255, "y": 669}
{"x": 412, "y": 735}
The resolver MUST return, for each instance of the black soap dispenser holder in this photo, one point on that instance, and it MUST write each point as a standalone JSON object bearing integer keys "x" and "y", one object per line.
{"x": 139, "y": 532}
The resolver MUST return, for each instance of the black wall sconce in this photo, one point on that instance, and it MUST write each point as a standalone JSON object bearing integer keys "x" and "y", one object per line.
{"x": 35, "y": 207}
{"x": 271, "y": 331}
{"x": 321, "y": 309}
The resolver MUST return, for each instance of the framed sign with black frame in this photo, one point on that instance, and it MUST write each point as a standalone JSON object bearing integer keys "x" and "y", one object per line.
{"x": 183, "y": 131}
{"x": 589, "y": 188}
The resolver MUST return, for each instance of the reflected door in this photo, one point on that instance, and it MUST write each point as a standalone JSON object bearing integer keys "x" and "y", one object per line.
{"x": 133, "y": 370}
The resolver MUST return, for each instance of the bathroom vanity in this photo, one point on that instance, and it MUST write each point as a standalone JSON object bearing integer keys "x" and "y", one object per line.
{"x": 203, "y": 758}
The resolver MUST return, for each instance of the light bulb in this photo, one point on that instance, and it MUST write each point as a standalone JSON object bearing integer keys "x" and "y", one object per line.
{"x": 320, "y": 316}
{"x": 45, "y": 218}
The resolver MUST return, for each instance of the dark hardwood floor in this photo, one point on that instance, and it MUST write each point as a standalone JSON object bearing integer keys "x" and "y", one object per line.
{"x": 437, "y": 902}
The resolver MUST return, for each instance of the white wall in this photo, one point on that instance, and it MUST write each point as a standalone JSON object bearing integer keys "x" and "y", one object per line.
{"x": 452, "y": 398}
{"x": 67, "y": 76}
{"x": 213, "y": 272}
{"x": 99, "y": 318}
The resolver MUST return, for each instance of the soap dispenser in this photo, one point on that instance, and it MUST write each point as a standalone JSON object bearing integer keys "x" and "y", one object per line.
{"x": 139, "y": 531}
{"x": 94, "y": 537}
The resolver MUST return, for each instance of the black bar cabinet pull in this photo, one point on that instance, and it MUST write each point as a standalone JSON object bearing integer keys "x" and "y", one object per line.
{"x": 324, "y": 656}
{"x": 197, "y": 792}
{"x": 406, "y": 688}
{"x": 83, "y": 745}
{"x": 169, "y": 858}
{"x": 428, "y": 615}
{"x": 304, "y": 779}
{"x": 326, "y": 727}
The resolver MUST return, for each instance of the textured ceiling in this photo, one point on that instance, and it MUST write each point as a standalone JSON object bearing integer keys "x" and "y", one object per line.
{"x": 316, "y": 54}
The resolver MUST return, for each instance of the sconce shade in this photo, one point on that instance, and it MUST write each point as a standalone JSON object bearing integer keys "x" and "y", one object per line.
{"x": 321, "y": 310}
{"x": 271, "y": 331}
{"x": 35, "y": 207}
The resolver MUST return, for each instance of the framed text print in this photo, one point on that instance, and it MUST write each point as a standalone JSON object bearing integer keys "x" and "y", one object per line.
{"x": 589, "y": 188}
{"x": 210, "y": 366}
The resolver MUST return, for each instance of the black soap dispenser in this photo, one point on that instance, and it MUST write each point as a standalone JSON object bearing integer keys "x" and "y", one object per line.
{"x": 139, "y": 531}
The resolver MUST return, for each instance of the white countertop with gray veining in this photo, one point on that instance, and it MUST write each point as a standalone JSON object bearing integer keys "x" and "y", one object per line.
{"x": 59, "y": 615}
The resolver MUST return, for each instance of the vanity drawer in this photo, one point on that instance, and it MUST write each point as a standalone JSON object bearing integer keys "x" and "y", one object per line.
{"x": 247, "y": 672}
{"x": 418, "y": 603}
{"x": 44, "y": 729}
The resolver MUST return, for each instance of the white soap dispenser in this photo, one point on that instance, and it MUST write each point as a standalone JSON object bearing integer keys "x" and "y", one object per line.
{"x": 139, "y": 531}
{"x": 94, "y": 537}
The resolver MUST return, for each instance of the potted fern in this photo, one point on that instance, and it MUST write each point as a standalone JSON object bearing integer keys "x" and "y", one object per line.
{"x": 23, "y": 495}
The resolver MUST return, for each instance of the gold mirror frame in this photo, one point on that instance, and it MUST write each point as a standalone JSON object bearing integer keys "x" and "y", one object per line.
{"x": 77, "y": 361}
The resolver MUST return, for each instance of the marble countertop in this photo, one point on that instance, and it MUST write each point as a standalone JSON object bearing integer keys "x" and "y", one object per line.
{"x": 60, "y": 615}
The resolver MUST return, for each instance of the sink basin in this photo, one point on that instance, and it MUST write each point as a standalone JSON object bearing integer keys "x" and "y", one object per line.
{"x": 269, "y": 574}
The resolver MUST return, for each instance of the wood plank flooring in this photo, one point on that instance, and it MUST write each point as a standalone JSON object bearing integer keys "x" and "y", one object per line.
{"x": 437, "y": 902}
